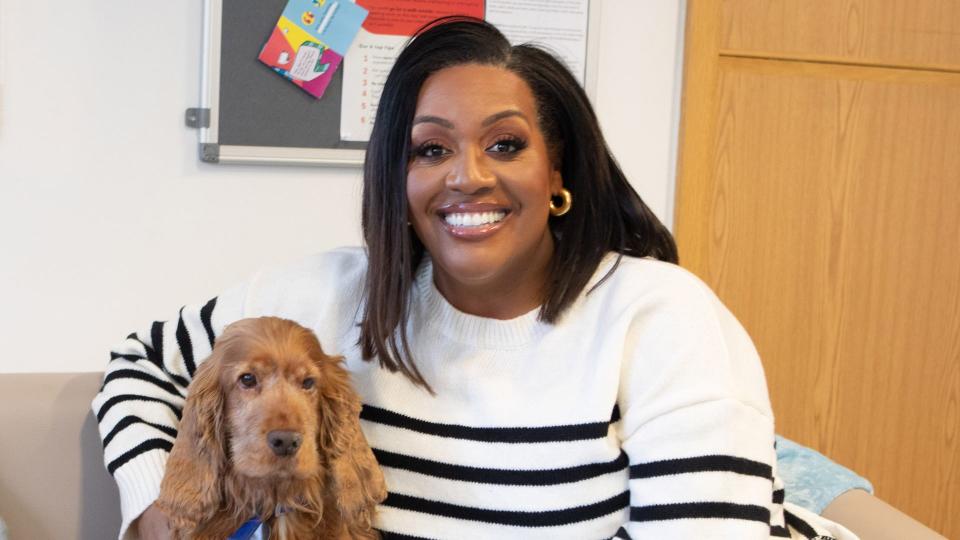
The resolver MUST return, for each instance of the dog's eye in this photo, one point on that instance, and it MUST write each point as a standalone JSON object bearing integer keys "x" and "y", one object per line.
{"x": 248, "y": 380}
{"x": 308, "y": 383}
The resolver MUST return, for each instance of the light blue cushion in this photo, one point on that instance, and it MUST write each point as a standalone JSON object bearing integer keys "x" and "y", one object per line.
{"x": 810, "y": 479}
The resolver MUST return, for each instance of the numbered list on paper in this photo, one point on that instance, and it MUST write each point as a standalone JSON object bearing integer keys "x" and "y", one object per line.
{"x": 364, "y": 72}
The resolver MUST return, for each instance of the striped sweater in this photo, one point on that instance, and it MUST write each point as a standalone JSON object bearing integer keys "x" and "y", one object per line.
{"x": 641, "y": 413}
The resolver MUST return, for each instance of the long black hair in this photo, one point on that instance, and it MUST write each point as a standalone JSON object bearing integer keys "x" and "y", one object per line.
{"x": 607, "y": 214}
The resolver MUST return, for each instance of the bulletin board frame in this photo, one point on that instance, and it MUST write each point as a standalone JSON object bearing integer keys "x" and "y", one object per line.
{"x": 249, "y": 115}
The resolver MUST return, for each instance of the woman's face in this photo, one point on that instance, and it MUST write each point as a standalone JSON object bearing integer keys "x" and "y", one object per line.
{"x": 479, "y": 180}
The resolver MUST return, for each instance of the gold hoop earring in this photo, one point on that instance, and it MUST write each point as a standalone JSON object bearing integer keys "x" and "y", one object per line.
{"x": 557, "y": 211}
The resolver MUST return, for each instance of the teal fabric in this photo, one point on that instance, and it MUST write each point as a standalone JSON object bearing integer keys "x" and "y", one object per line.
{"x": 810, "y": 479}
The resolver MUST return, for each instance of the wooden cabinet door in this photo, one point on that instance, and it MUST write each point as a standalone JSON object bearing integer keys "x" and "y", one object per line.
{"x": 819, "y": 195}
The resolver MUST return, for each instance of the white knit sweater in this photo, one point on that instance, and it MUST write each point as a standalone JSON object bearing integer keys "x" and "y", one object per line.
{"x": 642, "y": 413}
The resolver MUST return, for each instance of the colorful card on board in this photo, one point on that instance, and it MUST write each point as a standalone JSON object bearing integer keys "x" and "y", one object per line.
{"x": 310, "y": 39}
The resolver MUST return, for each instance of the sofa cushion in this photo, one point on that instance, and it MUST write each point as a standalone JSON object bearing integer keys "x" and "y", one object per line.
{"x": 53, "y": 484}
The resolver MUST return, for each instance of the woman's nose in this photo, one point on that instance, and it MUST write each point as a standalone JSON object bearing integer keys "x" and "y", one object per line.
{"x": 470, "y": 173}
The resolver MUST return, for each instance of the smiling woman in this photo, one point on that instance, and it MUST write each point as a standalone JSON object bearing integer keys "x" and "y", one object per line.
{"x": 531, "y": 362}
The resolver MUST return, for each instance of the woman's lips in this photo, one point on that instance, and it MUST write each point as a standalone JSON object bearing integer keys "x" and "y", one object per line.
{"x": 473, "y": 221}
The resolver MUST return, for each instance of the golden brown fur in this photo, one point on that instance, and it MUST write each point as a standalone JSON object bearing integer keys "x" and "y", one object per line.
{"x": 222, "y": 470}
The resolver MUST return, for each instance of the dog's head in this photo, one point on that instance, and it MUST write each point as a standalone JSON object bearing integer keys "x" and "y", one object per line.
{"x": 271, "y": 374}
{"x": 268, "y": 407}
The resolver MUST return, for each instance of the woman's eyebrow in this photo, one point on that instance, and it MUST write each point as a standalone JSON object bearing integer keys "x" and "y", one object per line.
{"x": 503, "y": 114}
{"x": 433, "y": 120}
{"x": 493, "y": 118}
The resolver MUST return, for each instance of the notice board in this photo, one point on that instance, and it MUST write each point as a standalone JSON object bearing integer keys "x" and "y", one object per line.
{"x": 249, "y": 114}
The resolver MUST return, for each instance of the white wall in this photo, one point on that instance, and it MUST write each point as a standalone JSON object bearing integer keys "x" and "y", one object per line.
{"x": 638, "y": 93}
{"x": 107, "y": 218}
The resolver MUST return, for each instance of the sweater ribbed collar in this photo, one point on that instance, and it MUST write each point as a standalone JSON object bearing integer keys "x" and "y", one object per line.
{"x": 436, "y": 312}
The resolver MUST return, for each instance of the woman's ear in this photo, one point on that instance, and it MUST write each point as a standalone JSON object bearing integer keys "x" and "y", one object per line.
{"x": 190, "y": 492}
{"x": 354, "y": 476}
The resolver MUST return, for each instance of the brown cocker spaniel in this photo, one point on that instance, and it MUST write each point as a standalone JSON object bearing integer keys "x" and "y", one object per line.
{"x": 271, "y": 429}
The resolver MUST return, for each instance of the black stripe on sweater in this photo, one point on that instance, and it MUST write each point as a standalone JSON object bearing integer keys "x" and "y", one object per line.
{"x": 145, "y": 446}
{"x": 622, "y": 533}
{"x": 137, "y": 357}
{"x": 149, "y": 350}
{"x": 695, "y": 510}
{"x": 127, "y": 421}
{"x": 130, "y": 357}
{"x": 166, "y": 386}
{"x": 387, "y": 535}
{"x": 799, "y": 525}
{"x": 206, "y": 317}
{"x": 779, "y": 532}
{"x": 186, "y": 346}
{"x": 107, "y": 405}
{"x": 574, "y": 432}
{"x": 732, "y": 464}
{"x": 510, "y": 477}
{"x": 547, "y": 518}
{"x": 156, "y": 337}
{"x": 778, "y": 496}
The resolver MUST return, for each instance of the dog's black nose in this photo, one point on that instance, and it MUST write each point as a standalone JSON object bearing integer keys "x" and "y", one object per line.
{"x": 284, "y": 443}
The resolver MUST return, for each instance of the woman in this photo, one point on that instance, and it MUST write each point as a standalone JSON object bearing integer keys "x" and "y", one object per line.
{"x": 531, "y": 361}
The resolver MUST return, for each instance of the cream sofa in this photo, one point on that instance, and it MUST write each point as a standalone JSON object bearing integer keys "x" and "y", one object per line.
{"x": 53, "y": 484}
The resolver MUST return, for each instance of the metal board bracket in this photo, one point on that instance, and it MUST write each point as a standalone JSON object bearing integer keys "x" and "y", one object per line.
{"x": 197, "y": 118}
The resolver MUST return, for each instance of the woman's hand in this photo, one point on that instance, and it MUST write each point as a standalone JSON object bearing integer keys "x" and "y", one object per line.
{"x": 153, "y": 524}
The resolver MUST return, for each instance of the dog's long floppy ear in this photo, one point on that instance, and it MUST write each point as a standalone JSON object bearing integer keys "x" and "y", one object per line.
{"x": 190, "y": 492}
{"x": 355, "y": 478}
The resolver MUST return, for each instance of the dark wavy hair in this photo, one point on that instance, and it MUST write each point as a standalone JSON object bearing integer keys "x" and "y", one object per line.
{"x": 607, "y": 214}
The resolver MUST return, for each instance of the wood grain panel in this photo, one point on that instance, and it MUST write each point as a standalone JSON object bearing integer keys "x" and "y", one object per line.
{"x": 914, "y": 33}
{"x": 833, "y": 232}
{"x": 694, "y": 162}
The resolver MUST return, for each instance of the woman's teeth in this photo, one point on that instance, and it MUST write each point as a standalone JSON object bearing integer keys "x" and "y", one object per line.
{"x": 473, "y": 219}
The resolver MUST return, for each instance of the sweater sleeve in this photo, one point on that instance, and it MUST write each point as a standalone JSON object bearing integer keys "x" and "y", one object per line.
{"x": 696, "y": 423}
{"x": 139, "y": 404}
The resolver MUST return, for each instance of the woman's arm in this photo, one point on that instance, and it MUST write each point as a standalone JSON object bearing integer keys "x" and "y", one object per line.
{"x": 139, "y": 405}
{"x": 696, "y": 423}
{"x": 701, "y": 471}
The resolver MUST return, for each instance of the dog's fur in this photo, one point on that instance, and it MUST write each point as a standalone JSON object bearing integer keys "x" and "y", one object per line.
{"x": 222, "y": 470}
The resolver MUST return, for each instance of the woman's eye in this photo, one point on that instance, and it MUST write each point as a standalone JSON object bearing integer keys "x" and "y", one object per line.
{"x": 248, "y": 380}
{"x": 507, "y": 146}
{"x": 431, "y": 151}
{"x": 309, "y": 383}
